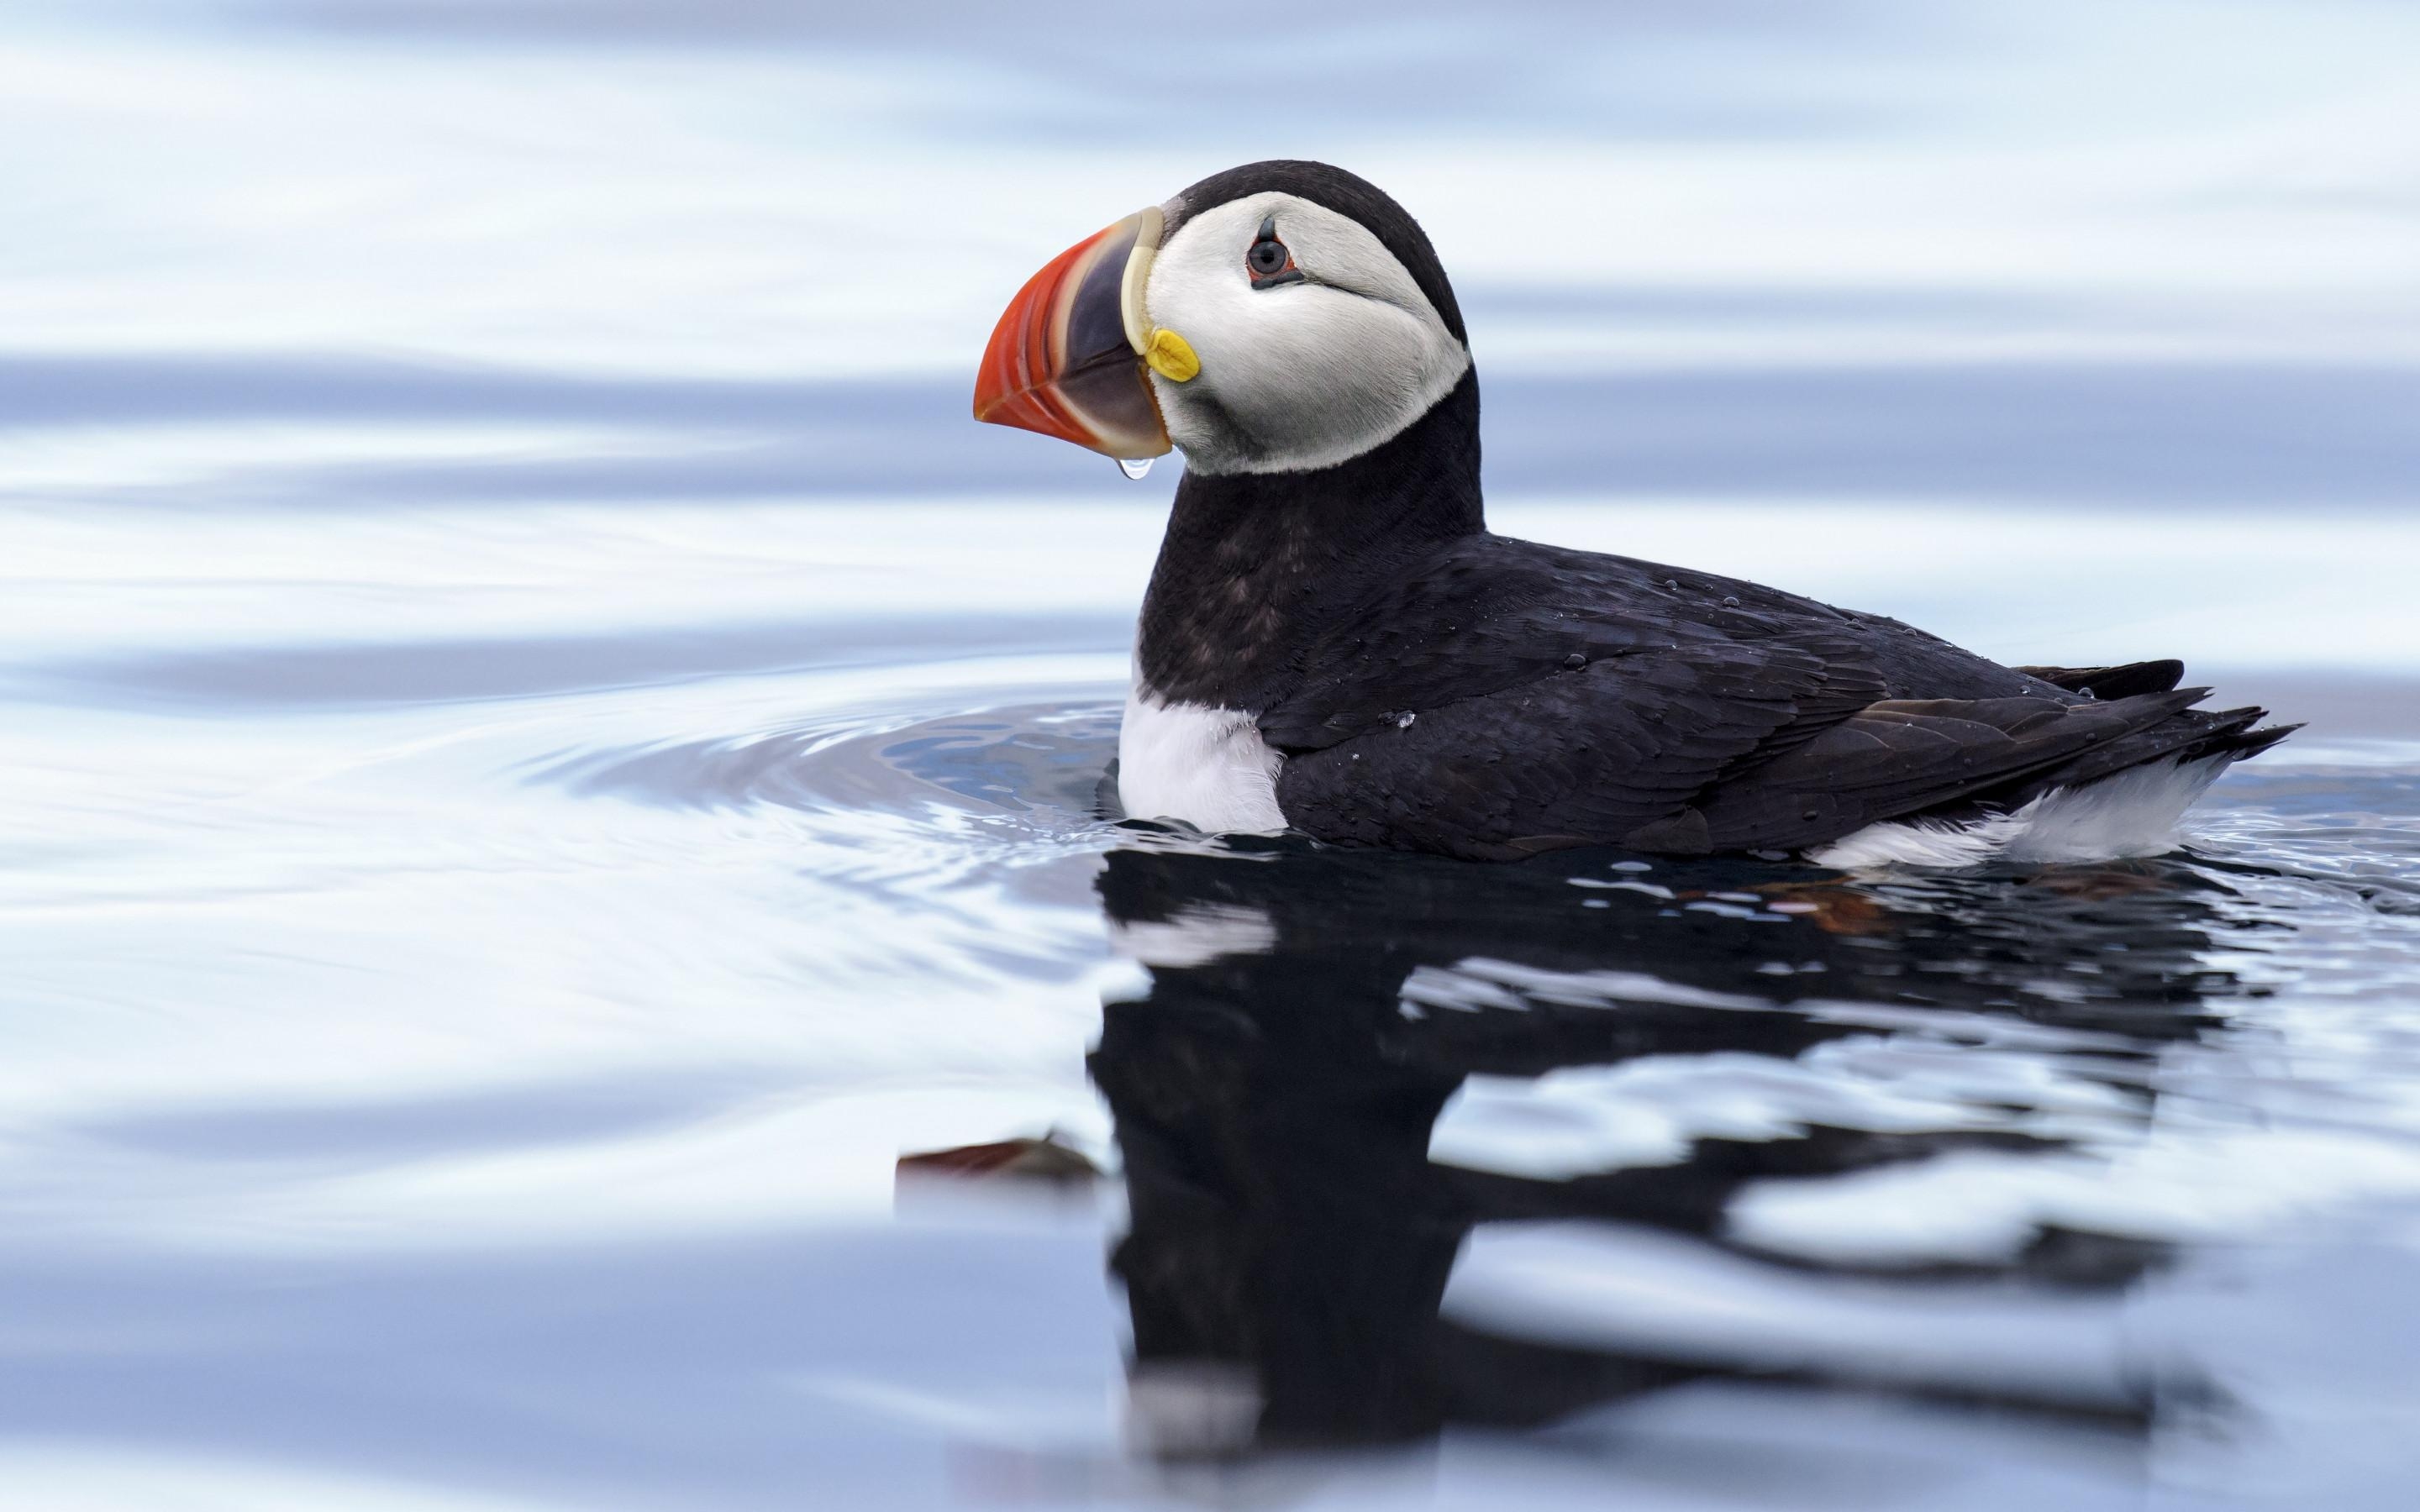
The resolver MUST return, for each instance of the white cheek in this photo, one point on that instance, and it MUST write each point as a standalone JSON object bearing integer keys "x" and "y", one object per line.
{"x": 1322, "y": 367}
{"x": 1299, "y": 375}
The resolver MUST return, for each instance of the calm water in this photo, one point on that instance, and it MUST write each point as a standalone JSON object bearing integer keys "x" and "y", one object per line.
{"x": 540, "y": 753}
{"x": 459, "y": 1061}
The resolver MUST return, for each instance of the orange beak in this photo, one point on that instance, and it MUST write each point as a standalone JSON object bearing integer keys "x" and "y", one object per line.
{"x": 1066, "y": 358}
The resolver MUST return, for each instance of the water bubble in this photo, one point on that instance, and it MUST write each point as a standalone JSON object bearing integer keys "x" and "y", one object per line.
{"x": 1135, "y": 469}
{"x": 1403, "y": 721}
{"x": 1730, "y": 601}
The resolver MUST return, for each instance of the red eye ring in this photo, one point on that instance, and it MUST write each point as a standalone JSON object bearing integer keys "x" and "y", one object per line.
{"x": 1268, "y": 260}
{"x": 1253, "y": 261}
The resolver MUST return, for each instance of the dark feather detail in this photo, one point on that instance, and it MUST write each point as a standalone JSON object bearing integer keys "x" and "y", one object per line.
{"x": 1595, "y": 754}
{"x": 2187, "y": 736}
{"x": 2113, "y": 682}
{"x": 1905, "y": 757}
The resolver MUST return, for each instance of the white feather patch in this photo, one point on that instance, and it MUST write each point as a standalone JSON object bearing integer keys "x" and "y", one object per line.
{"x": 2132, "y": 813}
{"x": 1206, "y": 767}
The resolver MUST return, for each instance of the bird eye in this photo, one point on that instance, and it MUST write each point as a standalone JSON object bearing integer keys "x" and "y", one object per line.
{"x": 1269, "y": 261}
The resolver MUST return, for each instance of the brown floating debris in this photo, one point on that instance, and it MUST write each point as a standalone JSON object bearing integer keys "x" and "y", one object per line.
{"x": 1835, "y": 910}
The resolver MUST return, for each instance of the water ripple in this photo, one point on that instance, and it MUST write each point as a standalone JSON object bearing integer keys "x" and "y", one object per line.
{"x": 1042, "y": 761}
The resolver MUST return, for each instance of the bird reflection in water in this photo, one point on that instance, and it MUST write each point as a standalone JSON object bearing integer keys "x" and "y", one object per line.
{"x": 1302, "y": 1271}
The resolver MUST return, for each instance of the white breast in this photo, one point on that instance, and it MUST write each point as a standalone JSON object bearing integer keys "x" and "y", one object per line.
{"x": 1205, "y": 766}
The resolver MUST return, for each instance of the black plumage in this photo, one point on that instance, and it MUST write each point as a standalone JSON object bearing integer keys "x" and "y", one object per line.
{"x": 1434, "y": 687}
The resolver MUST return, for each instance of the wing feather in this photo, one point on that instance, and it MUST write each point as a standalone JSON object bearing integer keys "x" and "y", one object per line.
{"x": 1505, "y": 698}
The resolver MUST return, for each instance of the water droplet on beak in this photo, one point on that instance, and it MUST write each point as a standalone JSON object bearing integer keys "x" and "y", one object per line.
{"x": 1135, "y": 469}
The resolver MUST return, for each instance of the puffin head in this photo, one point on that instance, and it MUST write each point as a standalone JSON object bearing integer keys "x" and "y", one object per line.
{"x": 1281, "y": 316}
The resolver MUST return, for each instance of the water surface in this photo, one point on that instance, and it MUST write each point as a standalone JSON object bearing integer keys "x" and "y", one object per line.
{"x": 461, "y": 1039}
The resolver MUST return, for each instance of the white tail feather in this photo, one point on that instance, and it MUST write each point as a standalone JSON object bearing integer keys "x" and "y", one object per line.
{"x": 2133, "y": 812}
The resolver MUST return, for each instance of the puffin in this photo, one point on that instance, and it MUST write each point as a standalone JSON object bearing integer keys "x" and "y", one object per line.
{"x": 1334, "y": 644}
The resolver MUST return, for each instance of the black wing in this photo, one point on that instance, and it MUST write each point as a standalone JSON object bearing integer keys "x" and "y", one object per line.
{"x": 1779, "y": 744}
{"x": 1486, "y": 614}
{"x": 1505, "y": 698}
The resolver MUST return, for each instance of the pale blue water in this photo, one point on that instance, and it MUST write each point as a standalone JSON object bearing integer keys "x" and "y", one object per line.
{"x": 542, "y": 752}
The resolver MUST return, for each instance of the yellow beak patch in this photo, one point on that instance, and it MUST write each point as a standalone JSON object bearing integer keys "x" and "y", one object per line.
{"x": 1170, "y": 357}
